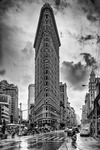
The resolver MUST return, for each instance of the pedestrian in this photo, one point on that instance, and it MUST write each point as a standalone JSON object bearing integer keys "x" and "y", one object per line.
{"x": 74, "y": 138}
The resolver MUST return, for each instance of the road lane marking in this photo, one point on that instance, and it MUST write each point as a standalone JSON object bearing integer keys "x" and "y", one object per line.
{"x": 61, "y": 138}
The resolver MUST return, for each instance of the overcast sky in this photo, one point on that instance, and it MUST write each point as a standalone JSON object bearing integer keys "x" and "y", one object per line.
{"x": 78, "y": 23}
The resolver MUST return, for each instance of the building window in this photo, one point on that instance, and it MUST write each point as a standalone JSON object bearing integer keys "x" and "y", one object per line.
{"x": 46, "y": 89}
{"x": 46, "y": 114}
{"x": 46, "y": 60}
{"x": 46, "y": 107}
{"x": 46, "y": 94}
{"x": 46, "y": 71}
{"x": 46, "y": 77}
{"x": 46, "y": 83}
{"x": 46, "y": 16}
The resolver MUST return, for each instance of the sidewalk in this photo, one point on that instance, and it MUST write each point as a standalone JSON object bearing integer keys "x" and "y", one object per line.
{"x": 67, "y": 146}
{"x": 12, "y": 141}
{"x": 97, "y": 138}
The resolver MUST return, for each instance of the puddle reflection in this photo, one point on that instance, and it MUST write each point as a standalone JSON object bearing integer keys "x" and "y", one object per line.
{"x": 49, "y": 141}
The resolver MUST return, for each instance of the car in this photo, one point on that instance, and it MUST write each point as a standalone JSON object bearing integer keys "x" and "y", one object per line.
{"x": 25, "y": 132}
{"x": 84, "y": 132}
{"x": 2, "y": 136}
{"x": 66, "y": 129}
{"x": 69, "y": 132}
{"x": 76, "y": 129}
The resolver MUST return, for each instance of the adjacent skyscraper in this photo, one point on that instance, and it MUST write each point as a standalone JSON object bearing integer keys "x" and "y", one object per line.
{"x": 92, "y": 88}
{"x": 46, "y": 46}
{"x": 12, "y": 91}
{"x": 31, "y": 89}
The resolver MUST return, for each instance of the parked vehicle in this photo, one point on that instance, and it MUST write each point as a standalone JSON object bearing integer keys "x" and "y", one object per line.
{"x": 66, "y": 130}
{"x": 85, "y": 129}
{"x": 84, "y": 132}
{"x": 69, "y": 132}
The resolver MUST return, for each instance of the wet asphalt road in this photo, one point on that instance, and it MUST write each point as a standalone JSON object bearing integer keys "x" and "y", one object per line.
{"x": 49, "y": 141}
{"x": 53, "y": 141}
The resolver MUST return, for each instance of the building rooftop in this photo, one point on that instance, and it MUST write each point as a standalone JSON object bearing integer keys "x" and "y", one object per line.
{"x": 45, "y": 6}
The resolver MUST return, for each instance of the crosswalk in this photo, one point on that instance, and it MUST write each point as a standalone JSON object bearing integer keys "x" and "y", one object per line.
{"x": 33, "y": 141}
{"x": 48, "y": 138}
{"x": 45, "y": 140}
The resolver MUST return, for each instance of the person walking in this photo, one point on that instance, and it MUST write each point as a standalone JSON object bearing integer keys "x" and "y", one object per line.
{"x": 74, "y": 138}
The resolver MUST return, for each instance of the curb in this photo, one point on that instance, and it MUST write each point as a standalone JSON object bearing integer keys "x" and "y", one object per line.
{"x": 63, "y": 147}
{"x": 8, "y": 144}
{"x": 5, "y": 144}
{"x": 96, "y": 138}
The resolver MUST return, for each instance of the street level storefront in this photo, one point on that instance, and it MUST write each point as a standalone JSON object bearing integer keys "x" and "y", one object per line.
{"x": 53, "y": 123}
{"x": 97, "y": 115}
{"x": 94, "y": 118}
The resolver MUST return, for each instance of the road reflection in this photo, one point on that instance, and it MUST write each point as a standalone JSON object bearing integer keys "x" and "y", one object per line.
{"x": 47, "y": 141}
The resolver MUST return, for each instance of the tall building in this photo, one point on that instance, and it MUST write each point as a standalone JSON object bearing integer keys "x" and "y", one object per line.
{"x": 73, "y": 117}
{"x": 92, "y": 88}
{"x": 63, "y": 102}
{"x": 97, "y": 109}
{"x": 20, "y": 118}
{"x": 84, "y": 114}
{"x": 12, "y": 90}
{"x": 5, "y": 108}
{"x": 87, "y": 104}
{"x": 46, "y": 46}
{"x": 32, "y": 116}
{"x": 31, "y": 96}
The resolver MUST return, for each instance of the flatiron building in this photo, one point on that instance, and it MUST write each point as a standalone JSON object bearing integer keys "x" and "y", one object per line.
{"x": 46, "y": 46}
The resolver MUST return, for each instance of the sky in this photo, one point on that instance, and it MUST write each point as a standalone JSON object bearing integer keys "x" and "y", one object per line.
{"x": 78, "y": 24}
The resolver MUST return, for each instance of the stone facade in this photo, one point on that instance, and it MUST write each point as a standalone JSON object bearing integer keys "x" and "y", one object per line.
{"x": 92, "y": 106}
{"x": 12, "y": 91}
{"x": 63, "y": 99}
{"x": 31, "y": 97}
{"x": 46, "y": 46}
{"x": 5, "y": 108}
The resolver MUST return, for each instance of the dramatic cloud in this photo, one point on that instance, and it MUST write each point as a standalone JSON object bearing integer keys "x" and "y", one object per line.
{"x": 5, "y": 5}
{"x": 75, "y": 74}
{"x": 61, "y": 4}
{"x": 85, "y": 39}
{"x": 57, "y": 2}
{"x": 93, "y": 1}
{"x": 90, "y": 61}
{"x": 28, "y": 51}
{"x": 27, "y": 79}
{"x": 8, "y": 44}
{"x": 91, "y": 9}
{"x": 77, "y": 21}
{"x": 2, "y": 72}
{"x": 96, "y": 3}
{"x": 92, "y": 18}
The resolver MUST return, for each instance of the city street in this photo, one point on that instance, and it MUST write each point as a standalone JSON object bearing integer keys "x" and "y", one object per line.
{"x": 83, "y": 143}
{"x": 56, "y": 140}
{"x": 49, "y": 75}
